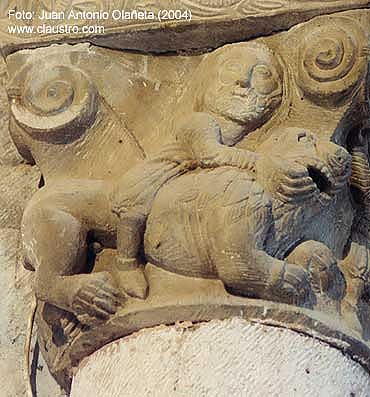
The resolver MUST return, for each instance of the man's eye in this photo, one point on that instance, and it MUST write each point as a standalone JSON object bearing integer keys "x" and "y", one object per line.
{"x": 231, "y": 73}
{"x": 233, "y": 68}
{"x": 263, "y": 71}
{"x": 242, "y": 83}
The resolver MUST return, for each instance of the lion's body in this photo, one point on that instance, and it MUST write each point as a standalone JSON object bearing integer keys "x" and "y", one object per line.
{"x": 195, "y": 218}
{"x": 222, "y": 224}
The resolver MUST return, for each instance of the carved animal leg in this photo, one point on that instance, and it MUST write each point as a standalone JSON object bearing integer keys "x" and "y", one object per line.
{"x": 242, "y": 264}
{"x": 351, "y": 303}
{"x": 132, "y": 200}
{"x": 321, "y": 264}
{"x": 55, "y": 245}
{"x": 130, "y": 273}
{"x": 255, "y": 274}
{"x": 355, "y": 268}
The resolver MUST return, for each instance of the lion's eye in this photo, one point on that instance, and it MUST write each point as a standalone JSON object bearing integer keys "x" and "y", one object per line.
{"x": 302, "y": 137}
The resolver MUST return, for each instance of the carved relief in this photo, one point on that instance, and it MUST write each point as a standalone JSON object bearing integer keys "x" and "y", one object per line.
{"x": 244, "y": 87}
{"x": 236, "y": 192}
{"x": 149, "y": 32}
{"x": 56, "y": 102}
{"x": 330, "y": 62}
{"x": 244, "y": 209}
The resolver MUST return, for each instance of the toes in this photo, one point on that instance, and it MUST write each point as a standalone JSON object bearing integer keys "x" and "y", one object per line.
{"x": 109, "y": 306}
{"x": 76, "y": 331}
{"x": 296, "y": 282}
{"x": 90, "y": 295}
{"x": 71, "y": 327}
{"x": 88, "y": 320}
{"x": 82, "y": 306}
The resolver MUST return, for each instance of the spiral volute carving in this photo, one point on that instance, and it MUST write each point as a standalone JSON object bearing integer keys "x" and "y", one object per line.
{"x": 55, "y": 101}
{"x": 329, "y": 61}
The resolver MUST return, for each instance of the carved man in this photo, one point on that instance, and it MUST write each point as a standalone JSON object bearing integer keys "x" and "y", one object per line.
{"x": 234, "y": 91}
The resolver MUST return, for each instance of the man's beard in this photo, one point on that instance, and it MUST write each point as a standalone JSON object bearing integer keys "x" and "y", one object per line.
{"x": 244, "y": 106}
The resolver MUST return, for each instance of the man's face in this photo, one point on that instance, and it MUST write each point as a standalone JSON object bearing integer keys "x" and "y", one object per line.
{"x": 246, "y": 88}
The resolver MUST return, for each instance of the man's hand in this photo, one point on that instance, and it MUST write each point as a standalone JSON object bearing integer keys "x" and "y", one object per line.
{"x": 286, "y": 180}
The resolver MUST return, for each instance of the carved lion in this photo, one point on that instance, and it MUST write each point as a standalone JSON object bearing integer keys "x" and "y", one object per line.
{"x": 227, "y": 224}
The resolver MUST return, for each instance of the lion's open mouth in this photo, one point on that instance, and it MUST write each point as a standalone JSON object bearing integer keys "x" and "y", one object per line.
{"x": 322, "y": 178}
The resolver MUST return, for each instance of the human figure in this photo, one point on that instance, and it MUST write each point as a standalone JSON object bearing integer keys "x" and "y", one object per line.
{"x": 233, "y": 92}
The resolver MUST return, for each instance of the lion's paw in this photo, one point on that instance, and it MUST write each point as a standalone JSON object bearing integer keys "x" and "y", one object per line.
{"x": 321, "y": 264}
{"x": 97, "y": 299}
{"x": 292, "y": 286}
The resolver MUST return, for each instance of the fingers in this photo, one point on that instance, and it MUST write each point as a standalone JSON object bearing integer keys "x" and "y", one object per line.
{"x": 106, "y": 305}
{"x": 287, "y": 294}
{"x": 318, "y": 164}
{"x": 296, "y": 186}
{"x": 295, "y": 296}
{"x": 68, "y": 325}
{"x": 88, "y": 320}
{"x": 76, "y": 331}
{"x": 300, "y": 284}
{"x": 293, "y": 169}
{"x": 108, "y": 289}
{"x": 296, "y": 172}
